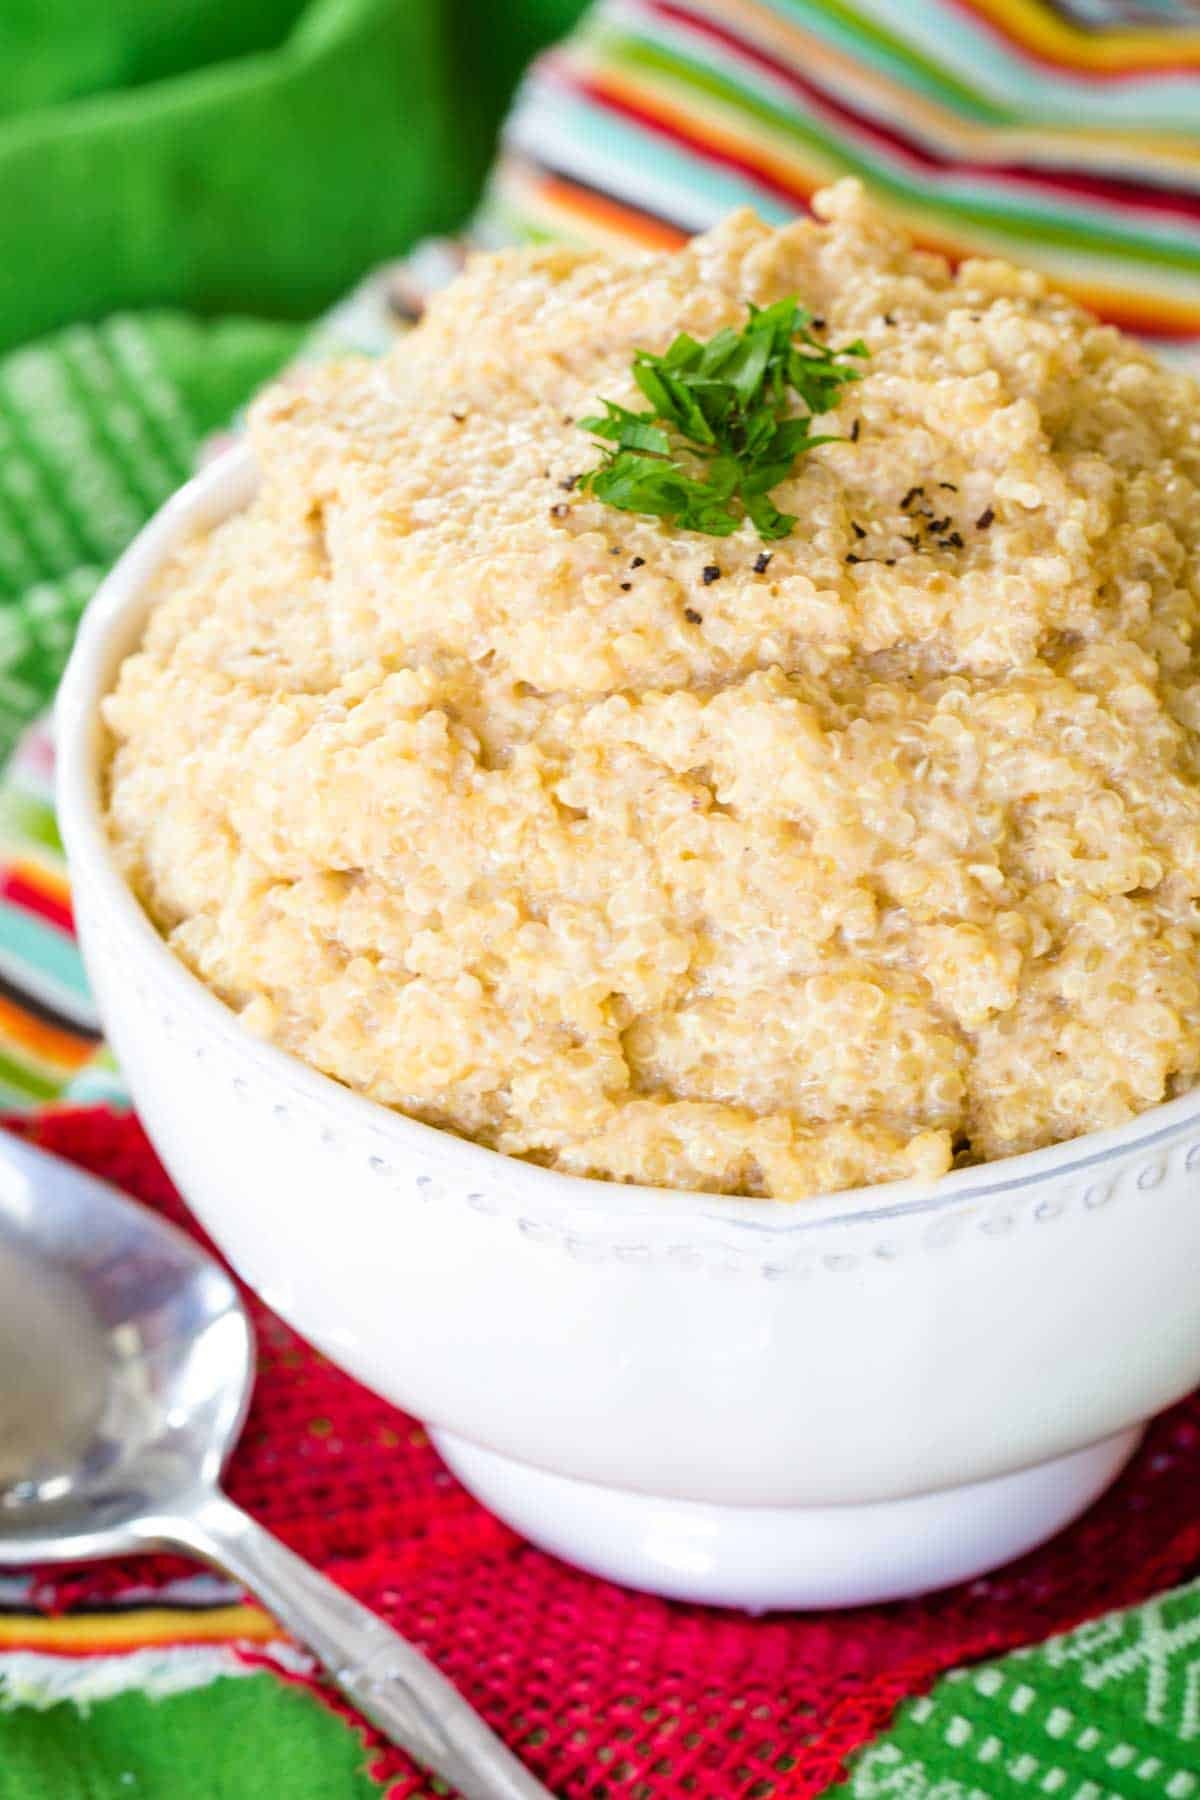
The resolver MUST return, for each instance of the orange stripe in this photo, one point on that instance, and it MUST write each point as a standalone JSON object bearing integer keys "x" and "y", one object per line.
{"x": 41, "y": 1040}
{"x": 639, "y": 227}
{"x": 89, "y": 1634}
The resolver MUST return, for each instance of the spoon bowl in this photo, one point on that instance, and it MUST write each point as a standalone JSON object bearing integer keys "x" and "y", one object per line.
{"x": 128, "y": 1362}
{"x": 126, "y": 1365}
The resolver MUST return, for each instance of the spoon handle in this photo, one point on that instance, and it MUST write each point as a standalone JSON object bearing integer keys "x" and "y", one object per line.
{"x": 387, "y": 1679}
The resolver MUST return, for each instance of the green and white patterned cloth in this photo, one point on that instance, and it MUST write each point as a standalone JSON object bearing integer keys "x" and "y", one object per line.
{"x": 1112, "y": 1710}
{"x": 98, "y": 425}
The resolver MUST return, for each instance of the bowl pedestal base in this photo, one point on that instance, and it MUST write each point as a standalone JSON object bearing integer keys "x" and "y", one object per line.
{"x": 765, "y": 1558}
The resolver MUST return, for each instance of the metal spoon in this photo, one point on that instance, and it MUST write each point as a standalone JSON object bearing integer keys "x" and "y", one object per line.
{"x": 126, "y": 1362}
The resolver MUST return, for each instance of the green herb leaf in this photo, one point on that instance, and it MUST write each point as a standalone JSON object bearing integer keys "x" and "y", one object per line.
{"x": 723, "y": 427}
{"x": 766, "y": 517}
{"x": 632, "y": 431}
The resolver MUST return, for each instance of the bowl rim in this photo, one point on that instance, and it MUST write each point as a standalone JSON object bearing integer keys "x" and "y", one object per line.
{"x": 115, "y": 611}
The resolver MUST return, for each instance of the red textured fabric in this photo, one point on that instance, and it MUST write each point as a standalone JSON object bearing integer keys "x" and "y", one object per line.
{"x": 606, "y": 1693}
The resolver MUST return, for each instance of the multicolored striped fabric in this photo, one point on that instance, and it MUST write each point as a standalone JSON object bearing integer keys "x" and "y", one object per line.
{"x": 1062, "y": 135}
{"x": 50, "y": 1042}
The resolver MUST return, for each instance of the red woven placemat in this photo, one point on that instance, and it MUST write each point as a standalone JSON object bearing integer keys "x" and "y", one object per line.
{"x": 607, "y": 1693}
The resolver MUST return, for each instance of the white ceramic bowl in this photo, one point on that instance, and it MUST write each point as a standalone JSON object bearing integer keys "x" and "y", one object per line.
{"x": 739, "y": 1401}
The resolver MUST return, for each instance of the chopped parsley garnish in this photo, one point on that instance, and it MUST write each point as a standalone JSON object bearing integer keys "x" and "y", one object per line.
{"x": 722, "y": 428}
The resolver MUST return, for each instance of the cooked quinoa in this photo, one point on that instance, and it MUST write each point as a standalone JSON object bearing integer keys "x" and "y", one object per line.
{"x": 877, "y": 847}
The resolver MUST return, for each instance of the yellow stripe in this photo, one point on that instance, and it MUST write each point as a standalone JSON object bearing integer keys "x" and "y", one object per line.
{"x": 1036, "y": 28}
{"x": 90, "y": 1632}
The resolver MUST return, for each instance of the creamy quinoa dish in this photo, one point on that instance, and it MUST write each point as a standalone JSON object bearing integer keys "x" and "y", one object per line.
{"x": 767, "y": 859}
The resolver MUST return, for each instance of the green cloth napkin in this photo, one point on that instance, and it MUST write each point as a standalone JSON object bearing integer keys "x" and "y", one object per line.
{"x": 185, "y": 1746}
{"x": 238, "y": 155}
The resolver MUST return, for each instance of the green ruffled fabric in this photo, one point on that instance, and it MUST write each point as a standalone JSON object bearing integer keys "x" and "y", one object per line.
{"x": 239, "y": 155}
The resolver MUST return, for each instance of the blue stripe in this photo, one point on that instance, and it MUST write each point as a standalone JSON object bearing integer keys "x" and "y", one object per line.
{"x": 42, "y": 959}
